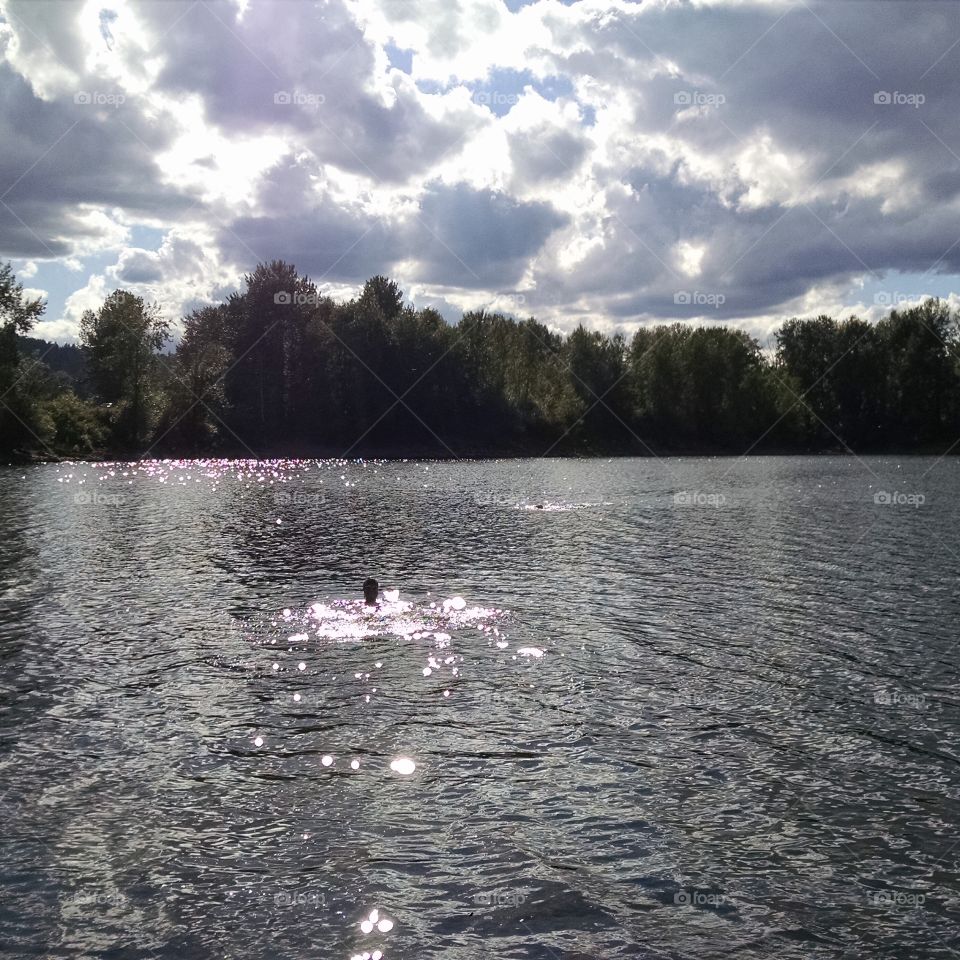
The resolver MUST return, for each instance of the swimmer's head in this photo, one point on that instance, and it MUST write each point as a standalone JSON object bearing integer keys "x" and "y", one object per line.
{"x": 370, "y": 590}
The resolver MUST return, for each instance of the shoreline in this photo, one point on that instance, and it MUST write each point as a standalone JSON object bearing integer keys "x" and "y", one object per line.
{"x": 433, "y": 456}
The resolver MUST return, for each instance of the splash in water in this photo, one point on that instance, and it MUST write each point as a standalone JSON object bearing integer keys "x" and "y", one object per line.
{"x": 350, "y": 620}
{"x": 558, "y": 506}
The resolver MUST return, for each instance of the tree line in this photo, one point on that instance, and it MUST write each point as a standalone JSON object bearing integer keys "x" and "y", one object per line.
{"x": 281, "y": 369}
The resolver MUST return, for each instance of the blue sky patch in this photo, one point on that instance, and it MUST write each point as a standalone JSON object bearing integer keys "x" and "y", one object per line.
{"x": 503, "y": 88}
{"x": 399, "y": 58}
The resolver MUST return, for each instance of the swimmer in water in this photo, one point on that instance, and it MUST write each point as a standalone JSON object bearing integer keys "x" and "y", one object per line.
{"x": 370, "y": 590}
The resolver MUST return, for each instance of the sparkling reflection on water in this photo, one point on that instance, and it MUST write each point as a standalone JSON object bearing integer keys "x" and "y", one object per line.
{"x": 689, "y": 708}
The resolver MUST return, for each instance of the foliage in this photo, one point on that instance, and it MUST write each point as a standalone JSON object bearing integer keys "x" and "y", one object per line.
{"x": 75, "y": 426}
{"x": 281, "y": 368}
{"x": 121, "y": 341}
{"x": 20, "y": 426}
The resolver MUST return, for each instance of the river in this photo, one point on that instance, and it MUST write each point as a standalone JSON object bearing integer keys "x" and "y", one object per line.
{"x": 629, "y": 708}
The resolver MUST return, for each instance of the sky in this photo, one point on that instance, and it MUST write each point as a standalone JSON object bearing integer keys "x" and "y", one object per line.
{"x": 607, "y": 163}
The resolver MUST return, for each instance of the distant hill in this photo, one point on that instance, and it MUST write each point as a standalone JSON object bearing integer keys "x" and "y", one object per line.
{"x": 67, "y": 359}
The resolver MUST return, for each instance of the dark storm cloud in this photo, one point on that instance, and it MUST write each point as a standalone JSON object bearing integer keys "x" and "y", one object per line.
{"x": 458, "y": 236}
{"x": 758, "y": 262}
{"x": 477, "y": 238}
{"x": 326, "y": 243}
{"x": 58, "y": 155}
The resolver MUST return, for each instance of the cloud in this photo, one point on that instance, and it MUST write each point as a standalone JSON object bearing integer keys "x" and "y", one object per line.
{"x": 452, "y": 236}
{"x": 597, "y": 158}
{"x": 477, "y": 238}
{"x": 65, "y": 165}
{"x": 308, "y": 73}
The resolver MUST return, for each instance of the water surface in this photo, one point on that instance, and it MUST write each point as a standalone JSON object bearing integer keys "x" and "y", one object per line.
{"x": 688, "y": 708}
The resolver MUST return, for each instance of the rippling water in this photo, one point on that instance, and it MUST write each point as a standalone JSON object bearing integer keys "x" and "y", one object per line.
{"x": 687, "y": 708}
